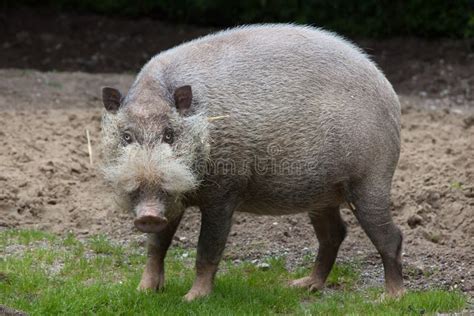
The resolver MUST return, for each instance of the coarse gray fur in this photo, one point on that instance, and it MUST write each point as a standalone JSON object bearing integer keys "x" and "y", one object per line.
{"x": 307, "y": 122}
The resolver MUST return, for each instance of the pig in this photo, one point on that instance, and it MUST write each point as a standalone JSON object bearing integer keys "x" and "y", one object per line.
{"x": 266, "y": 119}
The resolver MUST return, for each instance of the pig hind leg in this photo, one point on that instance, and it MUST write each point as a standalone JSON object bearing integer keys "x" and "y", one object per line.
{"x": 371, "y": 199}
{"x": 330, "y": 230}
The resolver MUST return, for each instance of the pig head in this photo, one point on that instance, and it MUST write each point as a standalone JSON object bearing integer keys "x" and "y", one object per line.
{"x": 151, "y": 143}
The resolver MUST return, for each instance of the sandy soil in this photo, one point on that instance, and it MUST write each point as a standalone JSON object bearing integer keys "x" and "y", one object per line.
{"x": 48, "y": 183}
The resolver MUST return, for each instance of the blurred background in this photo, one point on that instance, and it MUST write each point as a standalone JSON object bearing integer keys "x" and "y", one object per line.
{"x": 379, "y": 18}
{"x": 422, "y": 44}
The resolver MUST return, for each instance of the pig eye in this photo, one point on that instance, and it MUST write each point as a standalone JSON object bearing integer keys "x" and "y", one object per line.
{"x": 127, "y": 137}
{"x": 168, "y": 136}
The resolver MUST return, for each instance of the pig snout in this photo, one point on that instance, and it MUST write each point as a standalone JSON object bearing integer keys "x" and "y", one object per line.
{"x": 150, "y": 219}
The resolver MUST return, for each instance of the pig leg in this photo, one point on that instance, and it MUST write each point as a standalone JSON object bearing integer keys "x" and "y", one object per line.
{"x": 215, "y": 227}
{"x": 372, "y": 209}
{"x": 330, "y": 230}
{"x": 153, "y": 277}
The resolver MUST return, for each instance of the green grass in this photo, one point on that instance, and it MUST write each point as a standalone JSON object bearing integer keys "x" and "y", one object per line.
{"x": 43, "y": 274}
{"x": 456, "y": 185}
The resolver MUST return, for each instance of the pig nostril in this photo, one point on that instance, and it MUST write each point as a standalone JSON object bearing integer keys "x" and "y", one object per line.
{"x": 150, "y": 224}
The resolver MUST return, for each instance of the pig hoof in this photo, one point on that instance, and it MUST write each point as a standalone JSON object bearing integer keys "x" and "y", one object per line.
{"x": 391, "y": 295}
{"x": 307, "y": 282}
{"x": 195, "y": 294}
{"x": 148, "y": 284}
{"x": 395, "y": 293}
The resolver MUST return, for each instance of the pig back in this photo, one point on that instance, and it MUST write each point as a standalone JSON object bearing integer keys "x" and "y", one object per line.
{"x": 289, "y": 95}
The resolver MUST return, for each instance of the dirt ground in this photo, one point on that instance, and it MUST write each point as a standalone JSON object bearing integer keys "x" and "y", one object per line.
{"x": 48, "y": 183}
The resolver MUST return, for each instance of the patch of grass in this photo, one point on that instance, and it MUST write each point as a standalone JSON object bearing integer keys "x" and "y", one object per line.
{"x": 24, "y": 237}
{"x": 68, "y": 276}
{"x": 100, "y": 244}
{"x": 54, "y": 84}
{"x": 308, "y": 259}
{"x": 371, "y": 303}
{"x": 26, "y": 72}
{"x": 70, "y": 240}
{"x": 456, "y": 185}
{"x": 343, "y": 276}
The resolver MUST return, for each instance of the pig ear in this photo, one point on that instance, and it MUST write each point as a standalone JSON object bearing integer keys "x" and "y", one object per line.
{"x": 111, "y": 98}
{"x": 183, "y": 97}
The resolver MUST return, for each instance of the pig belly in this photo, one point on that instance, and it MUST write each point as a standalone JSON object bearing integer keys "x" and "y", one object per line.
{"x": 287, "y": 207}
{"x": 265, "y": 209}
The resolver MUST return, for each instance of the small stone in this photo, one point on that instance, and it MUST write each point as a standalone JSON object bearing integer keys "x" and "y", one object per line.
{"x": 468, "y": 121}
{"x": 5, "y": 310}
{"x": 433, "y": 237}
{"x": 419, "y": 269}
{"x": 433, "y": 199}
{"x": 414, "y": 221}
{"x": 469, "y": 193}
{"x": 263, "y": 266}
{"x": 75, "y": 168}
{"x": 293, "y": 221}
{"x": 84, "y": 231}
{"x": 24, "y": 158}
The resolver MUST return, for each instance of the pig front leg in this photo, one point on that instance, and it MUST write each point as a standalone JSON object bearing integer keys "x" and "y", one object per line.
{"x": 215, "y": 226}
{"x": 153, "y": 277}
